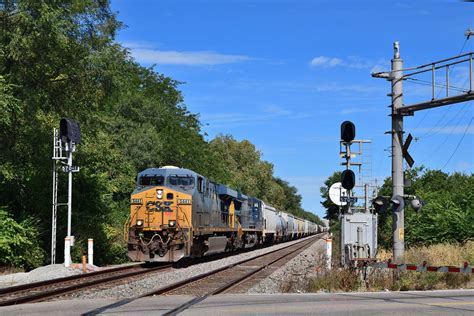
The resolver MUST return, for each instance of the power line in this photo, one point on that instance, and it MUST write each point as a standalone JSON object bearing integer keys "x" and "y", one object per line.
{"x": 448, "y": 136}
{"x": 432, "y": 132}
{"x": 450, "y": 71}
{"x": 438, "y": 85}
{"x": 459, "y": 143}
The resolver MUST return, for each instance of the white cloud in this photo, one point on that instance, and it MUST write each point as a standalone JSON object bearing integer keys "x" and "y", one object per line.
{"x": 338, "y": 87}
{"x": 145, "y": 52}
{"x": 275, "y": 109}
{"x": 350, "y": 62}
{"x": 325, "y": 61}
{"x": 267, "y": 113}
{"x": 198, "y": 58}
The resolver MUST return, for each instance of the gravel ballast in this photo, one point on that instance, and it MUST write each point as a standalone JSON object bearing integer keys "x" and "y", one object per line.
{"x": 48, "y": 272}
{"x": 159, "y": 280}
{"x": 293, "y": 277}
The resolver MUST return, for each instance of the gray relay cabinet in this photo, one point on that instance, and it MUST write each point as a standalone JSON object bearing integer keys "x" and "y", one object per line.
{"x": 358, "y": 237}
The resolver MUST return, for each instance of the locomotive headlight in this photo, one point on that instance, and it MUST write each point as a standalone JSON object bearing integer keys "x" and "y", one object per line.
{"x": 172, "y": 223}
{"x": 140, "y": 222}
{"x": 159, "y": 194}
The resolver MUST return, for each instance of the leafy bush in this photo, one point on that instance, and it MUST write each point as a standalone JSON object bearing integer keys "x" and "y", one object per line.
{"x": 19, "y": 243}
{"x": 448, "y": 215}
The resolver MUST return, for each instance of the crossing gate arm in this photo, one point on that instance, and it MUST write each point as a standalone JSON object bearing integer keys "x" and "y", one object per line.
{"x": 422, "y": 267}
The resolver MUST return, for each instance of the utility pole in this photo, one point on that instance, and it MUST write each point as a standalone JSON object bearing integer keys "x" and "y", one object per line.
{"x": 400, "y": 149}
{"x": 398, "y": 224}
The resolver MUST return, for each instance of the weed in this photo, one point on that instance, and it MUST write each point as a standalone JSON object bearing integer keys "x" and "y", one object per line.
{"x": 378, "y": 279}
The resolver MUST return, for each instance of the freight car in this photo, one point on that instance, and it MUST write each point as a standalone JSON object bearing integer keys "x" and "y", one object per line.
{"x": 177, "y": 213}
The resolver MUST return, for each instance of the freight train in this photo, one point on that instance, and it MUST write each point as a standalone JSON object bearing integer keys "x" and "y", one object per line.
{"x": 177, "y": 213}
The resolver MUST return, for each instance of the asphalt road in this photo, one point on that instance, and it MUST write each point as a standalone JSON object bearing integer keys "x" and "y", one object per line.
{"x": 454, "y": 302}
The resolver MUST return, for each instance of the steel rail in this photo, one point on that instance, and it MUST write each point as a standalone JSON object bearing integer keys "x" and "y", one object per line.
{"x": 70, "y": 288}
{"x": 176, "y": 285}
{"x": 28, "y": 286}
{"x": 227, "y": 285}
{"x": 245, "y": 277}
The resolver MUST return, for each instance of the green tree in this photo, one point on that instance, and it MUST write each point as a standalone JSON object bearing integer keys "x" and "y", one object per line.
{"x": 448, "y": 215}
{"x": 58, "y": 59}
{"x": 18, "y": 246}
{"x": 332, "y": 210}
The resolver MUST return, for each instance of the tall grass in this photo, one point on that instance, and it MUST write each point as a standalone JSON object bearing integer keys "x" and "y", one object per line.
{"x": 346, "y": 279}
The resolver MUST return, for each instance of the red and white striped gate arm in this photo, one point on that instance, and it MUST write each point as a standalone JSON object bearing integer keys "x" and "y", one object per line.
{"x": 423, "y": 267}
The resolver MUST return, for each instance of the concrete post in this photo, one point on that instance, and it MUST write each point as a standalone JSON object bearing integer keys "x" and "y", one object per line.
{"x": 67, "y": 251}
{"x": 328, "y": 252}
{"x": 90, "y": 251}
{"x": 398, "y": 224}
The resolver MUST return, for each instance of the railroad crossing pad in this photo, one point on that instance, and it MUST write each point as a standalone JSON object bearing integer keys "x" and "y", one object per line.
{"x": 446, "y": 302}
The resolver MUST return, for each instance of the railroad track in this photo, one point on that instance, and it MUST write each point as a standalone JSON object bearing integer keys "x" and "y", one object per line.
{"x": 40, "y": 291}
{"x": 225, "y": 279}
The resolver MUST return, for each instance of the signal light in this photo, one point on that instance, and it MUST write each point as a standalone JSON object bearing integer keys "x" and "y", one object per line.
{"x": 348, "y": 131}
{"x": 69, "y": 131}
{"x": 380, "y": 204}
{"x": 398, "y": 203}
{"x": 348, "y": 179}
{"x": 417, "y": 204}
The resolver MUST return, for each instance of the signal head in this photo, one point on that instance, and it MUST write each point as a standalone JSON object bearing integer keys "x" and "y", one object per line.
{"x": 417, "y": 204}
{"x": 380, "y": 204}
{"x": 348, "y": 179}
{"x": 347, "y": 131}
{"x": 398, "y": 203}
{"x": 69, "y": 131}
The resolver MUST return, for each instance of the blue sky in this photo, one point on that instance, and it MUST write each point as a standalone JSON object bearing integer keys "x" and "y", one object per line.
{"x": 285, "y": 74}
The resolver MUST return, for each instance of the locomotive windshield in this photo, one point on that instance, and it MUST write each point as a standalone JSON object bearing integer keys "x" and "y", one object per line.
{"x": 151, "y": 180}
{"x": 184, "y": 182}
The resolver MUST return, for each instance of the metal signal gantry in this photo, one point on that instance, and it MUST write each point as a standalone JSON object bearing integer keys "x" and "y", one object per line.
{"x": 399, "y": 110}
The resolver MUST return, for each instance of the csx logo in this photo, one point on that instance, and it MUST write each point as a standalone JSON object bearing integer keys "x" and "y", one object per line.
{"x": 184, "y": 201}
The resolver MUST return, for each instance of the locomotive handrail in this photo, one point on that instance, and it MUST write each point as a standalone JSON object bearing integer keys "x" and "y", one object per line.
{"x": 126, "y": 226}
{"x": 184, "y": 215}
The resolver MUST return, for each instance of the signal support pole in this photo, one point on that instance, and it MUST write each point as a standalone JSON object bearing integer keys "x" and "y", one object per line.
{"x": 67, "y": 245}
{"x": 398, "y": 225}
{"x": 400, "y": 149}
{"x": 69, "y": 189}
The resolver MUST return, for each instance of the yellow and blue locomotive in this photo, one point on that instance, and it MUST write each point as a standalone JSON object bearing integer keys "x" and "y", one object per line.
{"x": 177, "y": 213}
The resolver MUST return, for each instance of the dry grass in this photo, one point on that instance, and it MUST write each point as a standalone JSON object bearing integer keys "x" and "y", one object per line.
{"x": 10, "y": 270}
{"x": 436, "y": 255}
{"x": 442, "y": 254}
{"x": 377, "y": 279}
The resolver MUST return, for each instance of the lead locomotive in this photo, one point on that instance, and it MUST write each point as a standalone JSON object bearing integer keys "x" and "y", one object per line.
{"x": 177, "y": 213}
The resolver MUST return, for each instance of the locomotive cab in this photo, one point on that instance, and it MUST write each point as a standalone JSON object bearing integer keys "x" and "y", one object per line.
{"x": 160, "y": 215}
